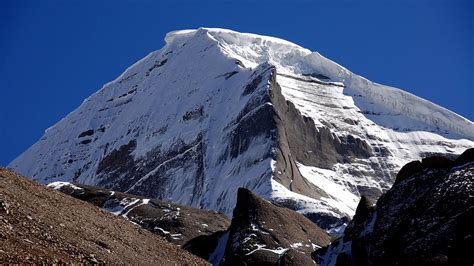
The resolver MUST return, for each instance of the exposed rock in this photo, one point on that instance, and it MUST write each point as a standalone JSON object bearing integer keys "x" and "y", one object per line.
{"x": 205, "y": 246}
{"x": 262, "y": 233}
{"x": 178, "y": 224}
{"x": 317, "y": 75}
{"x": 426, "y": 218}
{"x": 464, "y": 158}
{"x": 48, "y": 227}
{"x": 359, "y": 220}
{"x": 300, "y": 141}
{"x": 89, "y": 132}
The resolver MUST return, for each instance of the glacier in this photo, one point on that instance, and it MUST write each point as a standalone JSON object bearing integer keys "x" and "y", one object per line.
{"x": 215, "y": 110}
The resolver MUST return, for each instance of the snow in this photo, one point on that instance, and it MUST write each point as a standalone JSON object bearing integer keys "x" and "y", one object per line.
{"x": 330, "y": 257}
{"x": 248, "y": 238}
{"x": 296, "y": 245}
{"x": 305, "y": 204}
{"x": 60, "y": 184}
{"x": 164, "y": 232}
{"x": 124, "y": 207}
{"x": 340, "y": 196}
{"x": 280, "y": 251}
{"x": 338, "y": 230}
{"x": 147, "y": 103}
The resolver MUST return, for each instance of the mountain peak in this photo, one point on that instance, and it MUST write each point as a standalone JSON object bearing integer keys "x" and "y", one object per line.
{"x": 215, "y": 110}
{"x": 229, "y": 36}
{"x": 404, "y": 110}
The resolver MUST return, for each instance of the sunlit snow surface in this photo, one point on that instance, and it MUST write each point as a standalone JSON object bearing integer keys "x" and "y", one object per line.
{"x": 147, "y": 102}
{"x": 59, "y": 184}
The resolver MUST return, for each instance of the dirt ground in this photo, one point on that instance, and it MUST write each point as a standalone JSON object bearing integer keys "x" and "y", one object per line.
{"x": 40, "y": 225}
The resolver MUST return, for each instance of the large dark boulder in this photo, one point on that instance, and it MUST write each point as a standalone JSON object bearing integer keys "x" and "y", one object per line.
{"x": 262, "y": 233}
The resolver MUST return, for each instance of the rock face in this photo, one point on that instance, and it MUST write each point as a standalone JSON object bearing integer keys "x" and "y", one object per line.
{"x": 424, "y": 219}
{"x": 178, "y": 224}
{"x": 262, "y": 233}
{"x": 215, "y": 110}
{"x": 42, "y": 226}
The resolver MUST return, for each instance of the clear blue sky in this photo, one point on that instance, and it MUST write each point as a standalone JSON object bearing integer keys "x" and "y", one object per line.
{"x": 53, "y": 54}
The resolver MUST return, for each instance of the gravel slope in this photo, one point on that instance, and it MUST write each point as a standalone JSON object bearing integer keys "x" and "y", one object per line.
{"x": 40, "y": 225}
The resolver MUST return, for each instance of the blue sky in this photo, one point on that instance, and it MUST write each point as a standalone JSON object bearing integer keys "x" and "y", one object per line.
{"x": 53, "y": 54}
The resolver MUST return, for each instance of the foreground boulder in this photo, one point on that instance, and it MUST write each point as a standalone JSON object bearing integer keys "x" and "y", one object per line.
{"x": 426, "y": 218}
{"x": 178, "y": 224}
{"x": 42, "y": 226}
{"x": 262, "y": 233}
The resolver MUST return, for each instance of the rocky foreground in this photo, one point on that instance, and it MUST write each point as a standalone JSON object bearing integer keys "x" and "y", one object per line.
{"x": 177, "y": 223}
{"x": 260, "y": 232}
{"x": 426, "y": 218}
{"x": 39, "y": 225}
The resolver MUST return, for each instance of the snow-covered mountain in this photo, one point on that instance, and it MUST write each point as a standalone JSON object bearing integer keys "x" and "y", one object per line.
{"x": 214, "y": 110}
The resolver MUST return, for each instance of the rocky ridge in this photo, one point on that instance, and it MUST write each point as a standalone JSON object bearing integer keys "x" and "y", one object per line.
{"x": 260, "y": 231}
{"x": 424, "y": 219}
{"x": 178, "y": 224}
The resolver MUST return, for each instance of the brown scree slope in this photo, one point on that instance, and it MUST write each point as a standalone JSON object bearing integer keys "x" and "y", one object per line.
{"x": 40, "y": 225}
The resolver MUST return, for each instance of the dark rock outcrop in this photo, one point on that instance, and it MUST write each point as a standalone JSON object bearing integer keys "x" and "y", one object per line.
{"x": 426, "y": 218}
{"x": 262, "y": 233}
{"x": 178, "y": 224}
{"x": 120, "y": 171}
{"x": 209, "y": 247}
{"x": 299, "y": 140}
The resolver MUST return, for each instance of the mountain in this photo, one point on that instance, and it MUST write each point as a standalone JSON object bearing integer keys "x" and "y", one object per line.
{"x": 424, "y": 219}
{"x": 215, "y": 110}
{"x": 42, "y": 226}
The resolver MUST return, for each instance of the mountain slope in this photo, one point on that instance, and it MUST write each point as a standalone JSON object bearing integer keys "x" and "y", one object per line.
{"x": 424, "y": 219}
{"x": 178, "y": 224}
{"x": 215, "y": 110}
{"x": 39, "y": 225}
